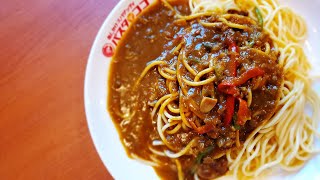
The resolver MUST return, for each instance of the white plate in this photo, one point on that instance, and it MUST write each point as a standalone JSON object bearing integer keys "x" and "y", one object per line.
{"x": 102, "y": 129}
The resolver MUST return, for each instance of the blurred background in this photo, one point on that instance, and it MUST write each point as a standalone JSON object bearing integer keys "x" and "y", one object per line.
{"x": 44, "y": 46}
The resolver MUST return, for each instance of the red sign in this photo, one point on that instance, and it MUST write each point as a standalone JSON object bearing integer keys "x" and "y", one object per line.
{"x": 121, "y": 25}
{"x": 107, "y": 50}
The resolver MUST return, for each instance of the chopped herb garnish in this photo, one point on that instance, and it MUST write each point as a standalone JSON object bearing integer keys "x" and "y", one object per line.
{"x": 219, "y": 69}
{"x": 200, "y": 156}
{"x": 235, "y": 125}
{"x": 203, "y": 154}
{"x": 193, "y": 59}
{"x": 259, "y": 16}
{"x": 251, "y": 43}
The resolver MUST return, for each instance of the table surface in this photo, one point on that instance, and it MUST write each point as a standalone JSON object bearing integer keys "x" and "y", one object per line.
{"x": 43, "y": 54}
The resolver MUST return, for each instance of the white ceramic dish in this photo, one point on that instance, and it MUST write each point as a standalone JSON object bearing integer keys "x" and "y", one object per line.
{"x": 102, "y": 129}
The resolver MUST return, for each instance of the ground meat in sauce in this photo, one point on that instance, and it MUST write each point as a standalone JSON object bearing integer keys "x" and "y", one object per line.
{"x": 153, "y": 35}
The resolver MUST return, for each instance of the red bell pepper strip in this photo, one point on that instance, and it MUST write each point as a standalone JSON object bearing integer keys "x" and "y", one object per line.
{"x": 229, "y": 86}
{"x": 228, "y": 89}
{"x": 202, "y": 129}
{"x": 232, "y": 68}
{"x": 243, "y": 78}
{"x": 229, "y": 110}
{"x": 232, "y": 65}
{"x": 244, "y": 113}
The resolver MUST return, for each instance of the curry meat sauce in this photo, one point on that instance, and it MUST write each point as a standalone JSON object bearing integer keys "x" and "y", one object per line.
{"x": 153, "y": 35}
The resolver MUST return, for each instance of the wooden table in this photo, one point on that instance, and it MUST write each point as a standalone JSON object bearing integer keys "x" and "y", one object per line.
{"x": 44, "y": 46}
